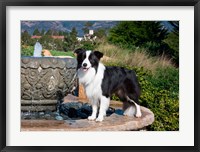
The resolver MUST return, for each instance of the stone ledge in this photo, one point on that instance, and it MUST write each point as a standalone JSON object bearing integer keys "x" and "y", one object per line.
{"x": 114, "y": 122}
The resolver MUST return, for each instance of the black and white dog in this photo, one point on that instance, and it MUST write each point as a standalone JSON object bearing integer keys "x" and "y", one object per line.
{"x": 100, "y": 82}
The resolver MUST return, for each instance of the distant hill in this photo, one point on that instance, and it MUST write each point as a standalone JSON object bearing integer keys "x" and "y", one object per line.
{"x": 66, "y": 26}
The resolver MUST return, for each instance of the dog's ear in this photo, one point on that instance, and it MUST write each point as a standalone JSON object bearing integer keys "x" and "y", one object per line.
{"x": 78, "y": 51}
{"x": 98, "y": 54}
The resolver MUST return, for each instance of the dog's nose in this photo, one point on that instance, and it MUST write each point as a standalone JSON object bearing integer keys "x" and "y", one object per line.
{"x": 84, "y": 64}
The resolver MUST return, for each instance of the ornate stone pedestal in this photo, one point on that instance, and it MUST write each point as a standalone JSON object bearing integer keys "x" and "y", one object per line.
{"x": 42, "y": 77}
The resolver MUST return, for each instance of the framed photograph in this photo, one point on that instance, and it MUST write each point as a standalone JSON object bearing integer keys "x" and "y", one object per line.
{"x": 99, "y": 75}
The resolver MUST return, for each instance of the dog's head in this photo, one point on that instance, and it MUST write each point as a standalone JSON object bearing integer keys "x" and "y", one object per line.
{"x": 87, "y": 59}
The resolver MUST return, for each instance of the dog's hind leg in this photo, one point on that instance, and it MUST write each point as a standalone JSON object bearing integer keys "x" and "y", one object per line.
{"x": 129, "y": 108}
{"x": 138, "y": 110}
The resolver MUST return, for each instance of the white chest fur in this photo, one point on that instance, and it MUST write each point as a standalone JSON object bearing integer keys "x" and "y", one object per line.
{"x": 92, "y": 82}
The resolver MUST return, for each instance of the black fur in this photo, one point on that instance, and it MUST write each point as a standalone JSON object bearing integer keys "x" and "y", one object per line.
{"x": 121, "y": 82}
{"x": 81, "y": 54}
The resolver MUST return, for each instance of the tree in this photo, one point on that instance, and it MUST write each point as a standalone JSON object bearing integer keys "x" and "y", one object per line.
{"x": 42, "y": 32}
{"x": 172, "y": 41}
{"x": 25, "y": 38}
{"x": 45, "y": 41}
{"x": 70, "y": 41}
{"x": 54, "y": 32}
{"x": 36, "y": 32}
{"x": 73, "y": 34}
{"x": 175, "y": 25}
{"x": 148, "y": 34}
{"x": 60, "y": 33}
{"x": 137, "y": 32}
{"x": 58, "y": 44}
{"x": 86, "y": 27}
{"x": 100, "y": 33}
{"x": 49, "y": 32}
{"x": 65, "y": 33}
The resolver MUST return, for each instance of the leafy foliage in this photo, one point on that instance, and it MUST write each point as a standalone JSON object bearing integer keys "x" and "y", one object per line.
{"x": 100, "y": 33}
{"x": 172, "y": 41}
{"x": 49, "y": 32}
{"x": 70, "y": 41}
{"x": 27, "y": 51}
{"x": 46, "y": 42}
{"x": 86, "y": 27}
{"x": 160, "y": 94}
{"x": 175, "y": 24}
{"x": 25, "y": 38}
{"x": 36, "y": 32}
{"x": 88, "y": 45}
{"x": 137, "y": 33}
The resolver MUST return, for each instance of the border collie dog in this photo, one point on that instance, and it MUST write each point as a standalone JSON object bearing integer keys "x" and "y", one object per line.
{"x": 100, "y": 82}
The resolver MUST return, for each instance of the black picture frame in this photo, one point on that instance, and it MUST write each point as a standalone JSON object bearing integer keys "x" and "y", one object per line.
{"x": 5, "y": 3}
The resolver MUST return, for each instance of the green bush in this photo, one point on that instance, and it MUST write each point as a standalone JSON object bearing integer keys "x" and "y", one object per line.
{"x": 166, "y": 79}
{"x": 162, "y": 99}
{"x": 160, "y": 95}
{"x": 27, "y": 51}
{"x": 88, "y": 45}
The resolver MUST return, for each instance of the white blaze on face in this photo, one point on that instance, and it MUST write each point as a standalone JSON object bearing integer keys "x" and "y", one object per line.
{"x": 86, "y": 61}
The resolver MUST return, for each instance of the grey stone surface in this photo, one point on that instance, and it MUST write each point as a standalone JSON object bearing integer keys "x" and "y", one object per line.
{"x": 114, "y": 122}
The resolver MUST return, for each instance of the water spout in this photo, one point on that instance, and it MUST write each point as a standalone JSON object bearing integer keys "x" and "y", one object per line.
{"x": 37, "y": 50}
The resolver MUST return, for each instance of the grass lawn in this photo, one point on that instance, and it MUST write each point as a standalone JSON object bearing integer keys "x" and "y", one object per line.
{"x": 28, "y": 51}
{"x": 59, "y": 53}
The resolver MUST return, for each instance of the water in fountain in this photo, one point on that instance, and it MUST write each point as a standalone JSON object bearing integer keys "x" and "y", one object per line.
{"x": 37, "y": 50}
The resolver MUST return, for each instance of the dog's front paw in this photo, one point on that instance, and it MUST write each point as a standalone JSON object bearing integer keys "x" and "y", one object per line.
{"x": 91, "y": 118}
{"x": 99, "y": 119}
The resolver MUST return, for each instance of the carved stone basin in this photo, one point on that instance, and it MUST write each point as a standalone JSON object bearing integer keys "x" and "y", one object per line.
{"x": 42, "y": 77}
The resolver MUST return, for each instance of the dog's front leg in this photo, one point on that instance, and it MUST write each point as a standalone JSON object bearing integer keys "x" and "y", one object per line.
{"x": 104, "y": 104}
{"x": 94, "y": 111}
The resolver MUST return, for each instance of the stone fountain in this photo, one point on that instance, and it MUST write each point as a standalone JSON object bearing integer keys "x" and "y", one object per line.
{"x": 42, "y": 78}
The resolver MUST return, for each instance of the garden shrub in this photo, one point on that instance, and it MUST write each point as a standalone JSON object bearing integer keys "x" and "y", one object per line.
{"x": 160, "y": 95}
{"x": 88, "y": 45}
{"x": 166, "y": 79}
{"x": 27, "y": 51}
